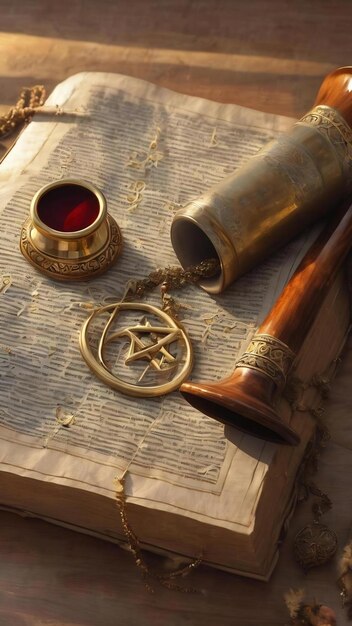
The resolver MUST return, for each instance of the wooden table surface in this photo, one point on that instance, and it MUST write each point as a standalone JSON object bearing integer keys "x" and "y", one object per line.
{"x": 266, "y": 54}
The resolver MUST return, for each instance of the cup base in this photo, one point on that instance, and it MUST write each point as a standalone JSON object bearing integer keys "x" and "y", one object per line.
{"x": 81, "y": 268}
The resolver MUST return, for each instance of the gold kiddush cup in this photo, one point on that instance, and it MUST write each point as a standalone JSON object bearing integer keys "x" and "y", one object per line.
{"x": 292, "y": 182}
{"x": 69, "y": 234}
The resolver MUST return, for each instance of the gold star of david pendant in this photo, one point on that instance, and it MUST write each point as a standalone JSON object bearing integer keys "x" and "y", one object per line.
{"x": 145, "y": 357}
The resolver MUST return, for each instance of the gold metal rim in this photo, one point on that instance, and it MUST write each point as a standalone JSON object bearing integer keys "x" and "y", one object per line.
{"x": 198, "y": 214}
{"x": 58, "y": 234}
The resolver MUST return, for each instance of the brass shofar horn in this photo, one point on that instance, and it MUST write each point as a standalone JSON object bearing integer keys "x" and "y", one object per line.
{"x": 288, "y": 185}
{"x": 246, "y": 399}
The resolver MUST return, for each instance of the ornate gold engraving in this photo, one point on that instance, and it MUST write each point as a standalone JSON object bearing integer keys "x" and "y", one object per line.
{"x": 332, "y": 125}
{"x": 268, "y": 355}
{"x": 73, "y": 269}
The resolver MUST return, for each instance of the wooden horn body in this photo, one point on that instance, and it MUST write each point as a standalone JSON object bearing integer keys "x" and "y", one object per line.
{"x": 246, "y": 399}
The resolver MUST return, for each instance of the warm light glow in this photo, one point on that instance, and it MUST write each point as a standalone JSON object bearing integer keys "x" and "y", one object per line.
{"x": 45, "y": 56}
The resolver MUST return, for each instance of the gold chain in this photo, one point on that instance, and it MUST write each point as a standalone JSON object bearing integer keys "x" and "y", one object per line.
{"x": 168, "y": 278}
{"x": 30, "y": 99}
{"x": 166, "y": 580}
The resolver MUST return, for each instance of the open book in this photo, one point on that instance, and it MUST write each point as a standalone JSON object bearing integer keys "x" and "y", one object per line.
{"x": 64, "y": 436}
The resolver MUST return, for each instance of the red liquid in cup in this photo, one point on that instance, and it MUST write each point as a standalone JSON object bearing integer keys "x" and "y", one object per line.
{"x": 68, "y": 208}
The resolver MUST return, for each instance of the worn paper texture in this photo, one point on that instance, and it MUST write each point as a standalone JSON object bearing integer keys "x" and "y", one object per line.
{"x": 150, "y": 151}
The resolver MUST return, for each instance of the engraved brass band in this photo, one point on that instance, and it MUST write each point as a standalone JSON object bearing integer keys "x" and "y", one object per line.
{"x": 72, "y": 268}
{"x": 336, "y": 130}
{"x": 270, "y": 356}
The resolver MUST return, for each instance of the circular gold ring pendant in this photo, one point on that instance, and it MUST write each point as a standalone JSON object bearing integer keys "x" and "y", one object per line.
{"x": 154, "y": 351}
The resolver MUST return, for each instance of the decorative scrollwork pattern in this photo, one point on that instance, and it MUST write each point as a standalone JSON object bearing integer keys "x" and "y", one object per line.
{"x": 333, "y": 126}
{"x": 67, "y": 269}
{"x": 268, "y": 355}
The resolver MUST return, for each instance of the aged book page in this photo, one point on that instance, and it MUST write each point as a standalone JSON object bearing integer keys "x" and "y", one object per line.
{"x": 150, "y": 151}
